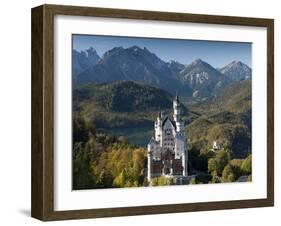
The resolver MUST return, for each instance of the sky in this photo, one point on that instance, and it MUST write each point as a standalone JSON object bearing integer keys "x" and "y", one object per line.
{"x": 216, "y": 53}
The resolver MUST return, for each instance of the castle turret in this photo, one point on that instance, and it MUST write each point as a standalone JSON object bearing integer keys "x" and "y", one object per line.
{"x": 177, "y": 114}
{"x": 149, "y": 165}
{"x": 184, "y": 162}
{"x": 158, "y": 127}
{"x": 149, "y": 159}
{"x": 176, "y": 107}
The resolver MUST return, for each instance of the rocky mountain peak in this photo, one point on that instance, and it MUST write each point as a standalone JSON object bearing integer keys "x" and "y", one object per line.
{"x": 236, "y": 70}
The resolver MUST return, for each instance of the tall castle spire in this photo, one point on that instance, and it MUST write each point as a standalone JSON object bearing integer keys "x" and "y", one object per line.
{"x": 176, "y": 107}
{"x": 177, "y": 114}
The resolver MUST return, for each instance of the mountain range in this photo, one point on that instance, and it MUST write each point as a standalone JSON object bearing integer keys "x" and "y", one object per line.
{"x": 83, "y": 60}
{"x": 197, "y": 80}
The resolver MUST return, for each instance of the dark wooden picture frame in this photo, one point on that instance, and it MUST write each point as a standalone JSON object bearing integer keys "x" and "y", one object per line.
{"x": 42, "y": 203}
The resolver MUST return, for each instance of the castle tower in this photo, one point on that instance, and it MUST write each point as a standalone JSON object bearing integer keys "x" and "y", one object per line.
{"x": 149, "y": 162}
{"x": 180, "y": 144}
{"x": 184, "y": 162}
{"x": 177, "y": 114}
{"x": 158, "y": 127}
{"x": 176, "y": 107}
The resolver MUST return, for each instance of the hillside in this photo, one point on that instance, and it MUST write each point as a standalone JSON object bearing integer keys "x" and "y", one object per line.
{"x": 122, "y": 104}
{"x": 234, "y": 98}
{"x": 124, "y": 96}
{"x": 225, "y": 118}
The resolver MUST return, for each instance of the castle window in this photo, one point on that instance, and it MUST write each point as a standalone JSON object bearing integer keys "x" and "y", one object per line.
{"x": 168, "y": 132}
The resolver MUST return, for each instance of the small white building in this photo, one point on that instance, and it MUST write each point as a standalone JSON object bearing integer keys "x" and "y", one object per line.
{"x": 216, "y": 146}
{"x": 168, "y": 150}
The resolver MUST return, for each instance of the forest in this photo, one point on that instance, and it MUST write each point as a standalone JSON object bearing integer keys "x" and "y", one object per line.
{"x": 101, "y": 160}
{"x": 104, "y": 161}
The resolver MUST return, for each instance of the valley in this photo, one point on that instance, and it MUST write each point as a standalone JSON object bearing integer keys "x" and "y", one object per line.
{"x": 117, "y": 97}
{"x": 129, "y": 108}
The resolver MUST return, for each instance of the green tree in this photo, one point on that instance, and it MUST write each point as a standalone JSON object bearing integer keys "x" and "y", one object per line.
{"x": 161, "y": 181}
{"x": 81, "y": 167}
{"x": 227, "y": 174}
{"x": 215, "y": 177}
{"x": 212, "y": 165}
{"x": 145, "y": 182}
{"x": 124, "y": 163}
{"x": 222, "y": 159}
{"x": 246, "y": 166}
{"x": 154, "y": 181}
{"x": 120, "y": 180}
{"x": 105, "y": 179}
{"x": 81, "y": 129}
{"x": 249, "y": 178}
{"x": 192, "y": 181}
{"x": 218, "y": 162}
{"x": 236, "y": 167}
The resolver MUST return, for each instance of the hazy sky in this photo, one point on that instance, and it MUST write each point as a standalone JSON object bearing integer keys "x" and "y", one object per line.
{"x": 215, "y": 53}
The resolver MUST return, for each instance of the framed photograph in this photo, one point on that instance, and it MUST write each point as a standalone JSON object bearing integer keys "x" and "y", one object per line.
{"x": 141, "y": 112}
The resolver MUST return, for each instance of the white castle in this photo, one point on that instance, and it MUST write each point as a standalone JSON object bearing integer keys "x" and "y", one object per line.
{"x": 167, "y": 150}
